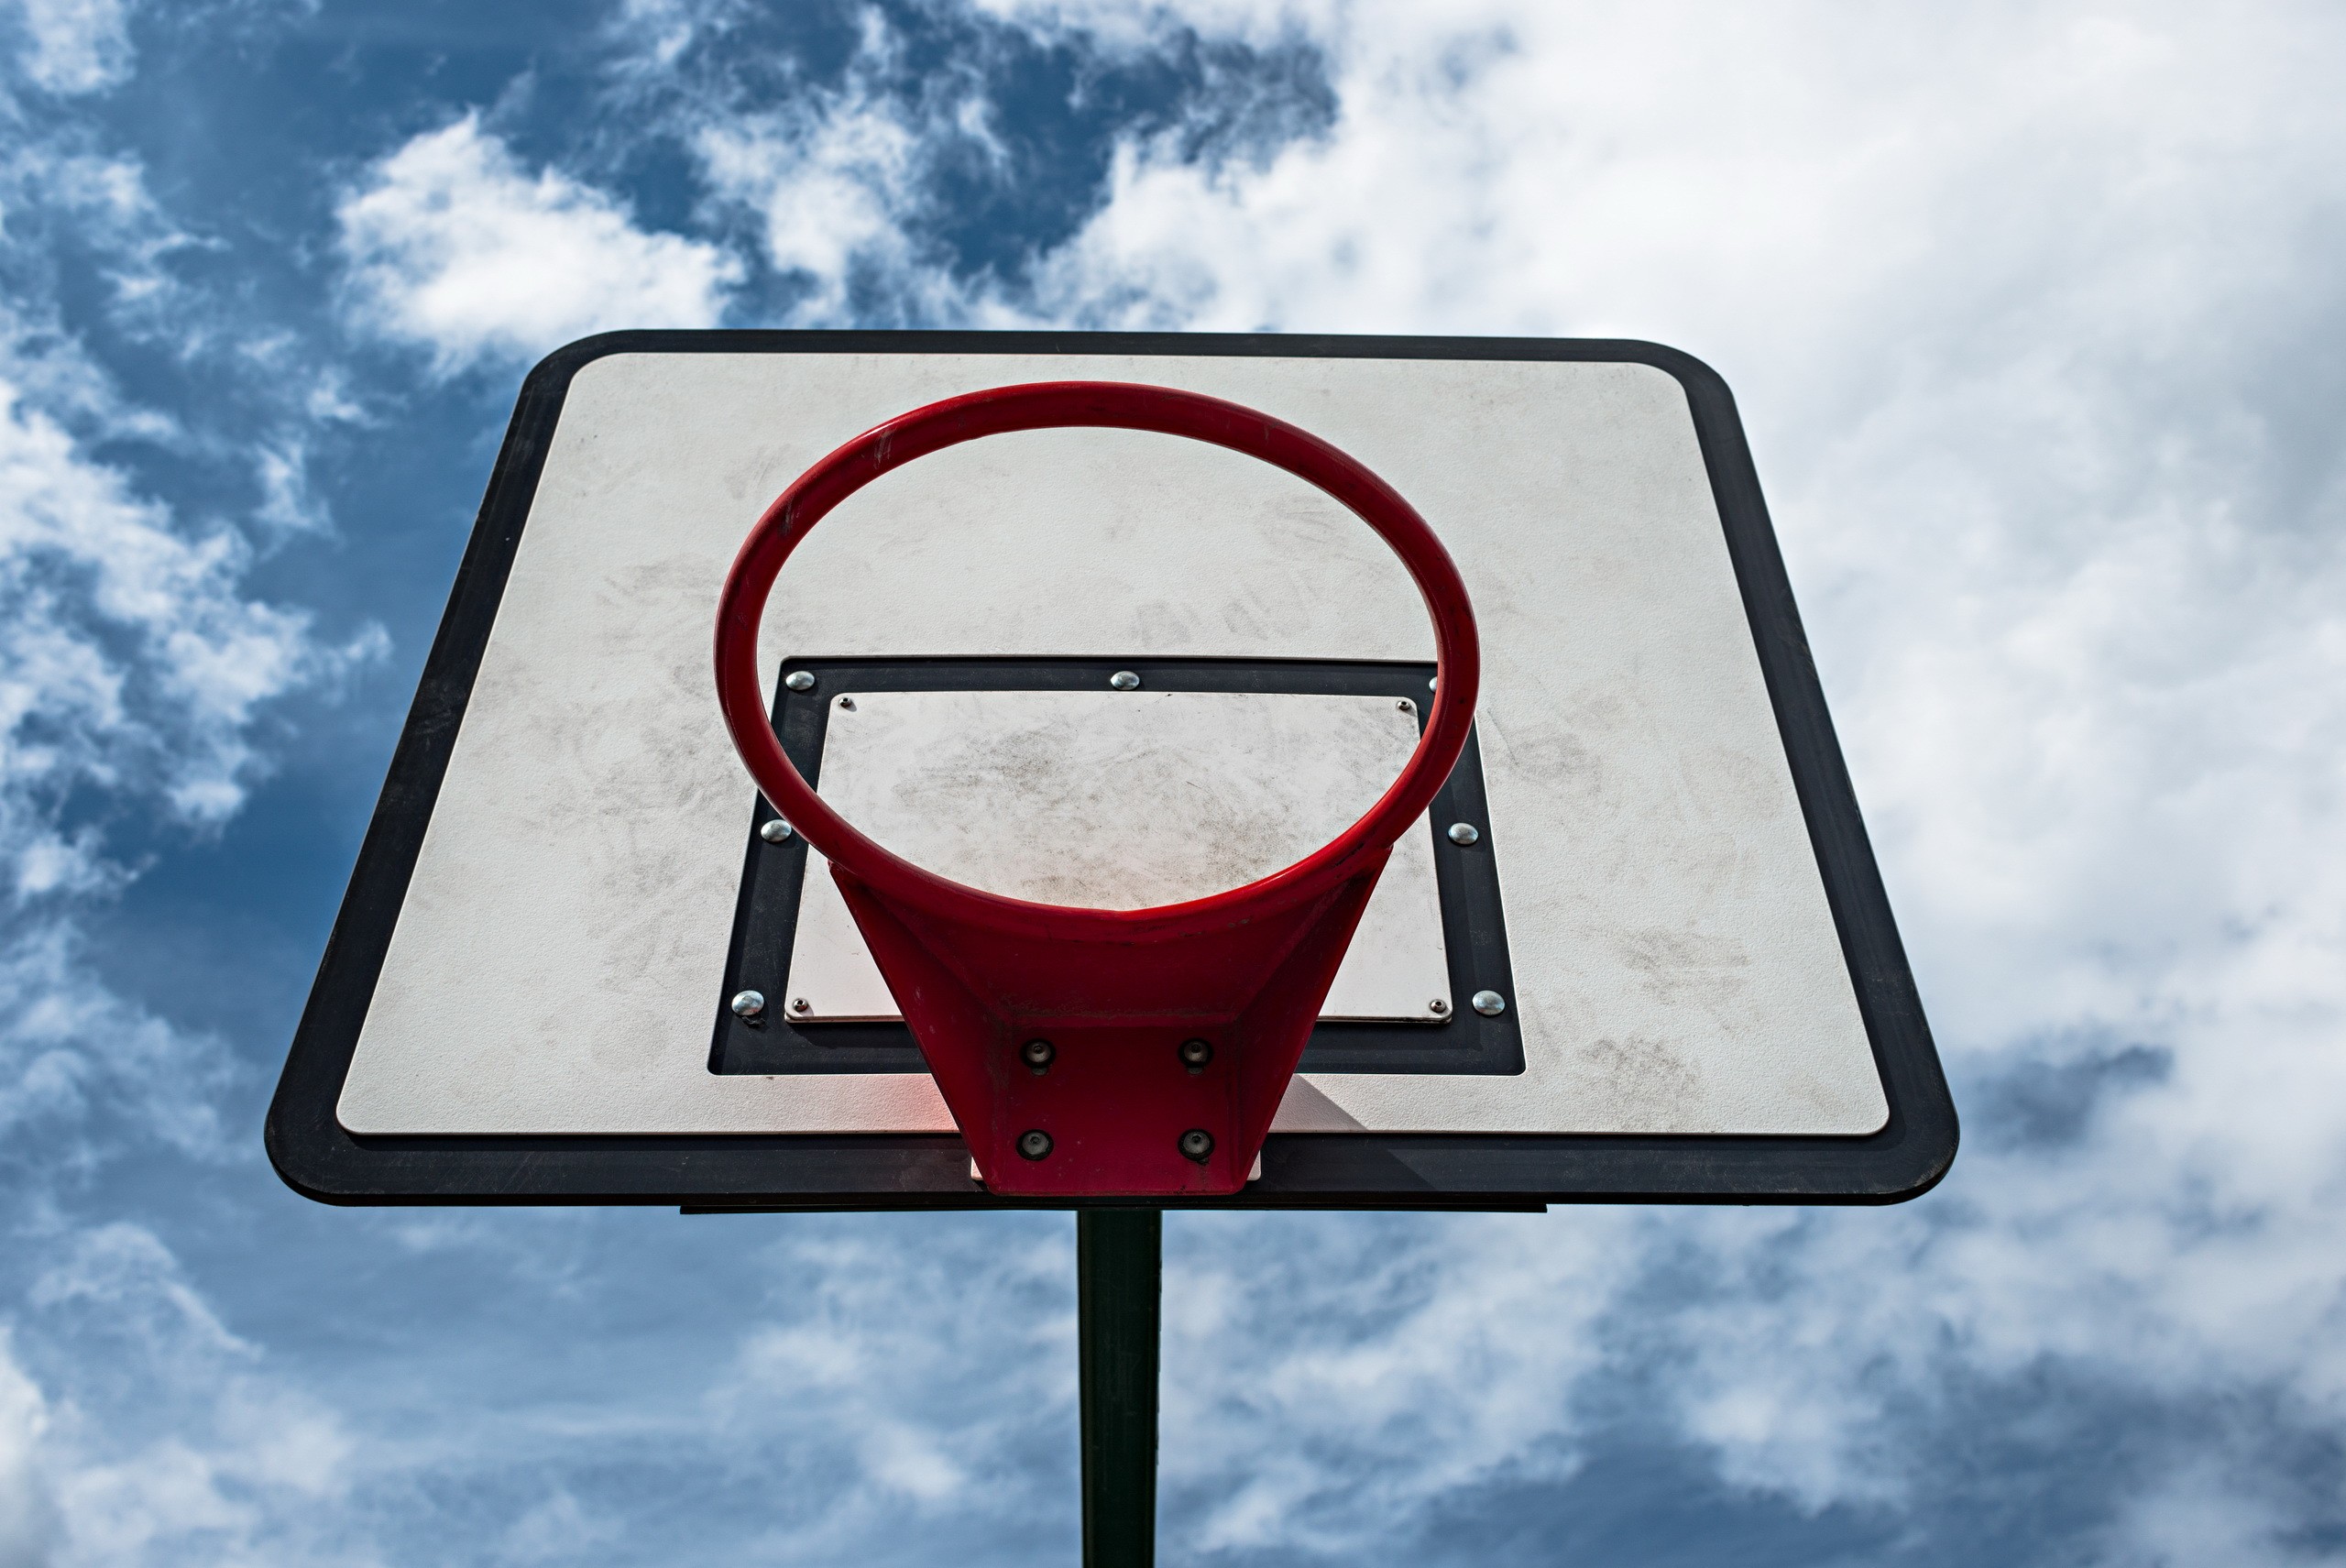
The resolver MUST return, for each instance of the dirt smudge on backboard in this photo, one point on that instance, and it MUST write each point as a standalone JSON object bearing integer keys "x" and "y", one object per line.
{"x": 1686, "y": 967}
{"x": 1639, "y": 1073}
{"x": 1552, "y": 752}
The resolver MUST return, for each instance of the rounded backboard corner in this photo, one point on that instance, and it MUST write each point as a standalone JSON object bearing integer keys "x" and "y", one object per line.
{"x": 287, "y": 1159}
{"x": 1917, "y": 1161}
{"x": 554, "y": 373}
{"x": 1693, "y": 374}
{"x": 1938, "y": 1162}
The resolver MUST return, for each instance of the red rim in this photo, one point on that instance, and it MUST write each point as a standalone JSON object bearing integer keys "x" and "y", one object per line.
{"x": 1047, "y": 405}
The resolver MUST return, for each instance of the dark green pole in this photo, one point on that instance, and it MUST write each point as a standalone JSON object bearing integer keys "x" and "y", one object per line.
{"x": 1119, "y": 1263}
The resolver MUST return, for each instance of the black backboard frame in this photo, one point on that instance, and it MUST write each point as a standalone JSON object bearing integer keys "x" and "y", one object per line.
{"x": 318, "y": 1157}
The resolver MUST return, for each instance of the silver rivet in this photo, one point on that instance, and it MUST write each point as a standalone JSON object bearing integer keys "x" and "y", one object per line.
{"x": 1124, "y": 681}
{"x": 1438, "y": 1007}
{"x": 1038, "y": 1055}
{"x": 1197, "y": 1144}
{"x": 800, "y": 680}
{"x": 1434, "y": 683}
{"x": 1462, "y": 833}
{"x": 1195, "y": 1054}
{"x": 1033, "y": 1145}
{"x": 800, "y": 1004}
{"x": 775, "y": 831}
{"x": 1489, "y": 1003}
{"x": 1406, "y": 706}
{"x": 748, "y": 1003}
{"x": 848, "y": 703}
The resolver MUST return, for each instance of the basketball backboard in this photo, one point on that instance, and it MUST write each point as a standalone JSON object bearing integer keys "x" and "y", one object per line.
{"x": 1637, "y": 950}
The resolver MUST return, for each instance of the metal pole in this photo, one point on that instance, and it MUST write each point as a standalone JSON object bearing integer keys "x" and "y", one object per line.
{"x": 1119, "y": 1264}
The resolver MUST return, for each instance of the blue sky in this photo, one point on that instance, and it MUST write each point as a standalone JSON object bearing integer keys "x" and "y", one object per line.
{"x": 2033, "y": 312}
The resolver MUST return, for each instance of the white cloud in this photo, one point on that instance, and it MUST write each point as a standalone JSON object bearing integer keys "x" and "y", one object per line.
{"x": 225, "y": 1458}
{"x": 858, "y": 1386}
{"x": 62, "y": 195}
{"x": 1325, "y": 1383}
{"x": 287, "y": 502}
{"x": 654, "y": 33}
{"x": 1121, "y": 28}
{"x": 832, "y": 186}
{"x": 27, "y": 1521}
{"x": 835, "y": 177}
{"x": 558, "y": 1530}
{"x": 121, "y": 1265}
{"x": 451, "y": 244}
{"x": 70, "y": 1047}
{"x": 129, "y": 659}
{"x": 74, "y": 45}
{"x": 2200, "y": 1514}
{"x": 133, "y": 666}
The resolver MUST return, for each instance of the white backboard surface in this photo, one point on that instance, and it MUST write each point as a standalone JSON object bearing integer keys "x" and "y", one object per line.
{"x": 1676, "y": 965}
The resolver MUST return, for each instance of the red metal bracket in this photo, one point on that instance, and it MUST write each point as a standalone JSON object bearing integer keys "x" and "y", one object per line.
{"x": 1167, "y": 1036}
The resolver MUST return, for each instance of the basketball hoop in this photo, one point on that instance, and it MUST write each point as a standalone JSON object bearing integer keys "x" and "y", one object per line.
{"x": 1104, "y": 1052}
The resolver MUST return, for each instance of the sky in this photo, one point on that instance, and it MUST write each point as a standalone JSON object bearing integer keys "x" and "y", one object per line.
{"x": 2034, "y": 313}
